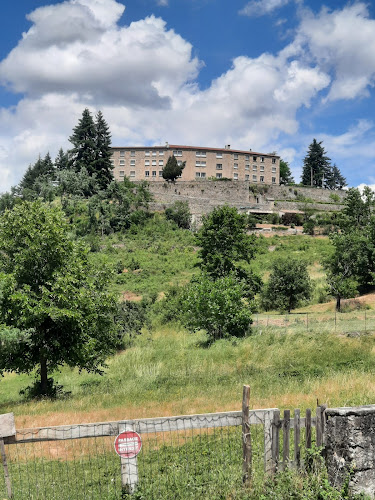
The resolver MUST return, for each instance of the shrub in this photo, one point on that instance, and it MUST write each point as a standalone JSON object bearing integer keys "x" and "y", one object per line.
{"x": 180, "y": 214}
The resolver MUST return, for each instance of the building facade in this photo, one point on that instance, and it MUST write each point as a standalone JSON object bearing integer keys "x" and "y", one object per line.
{"x": 146, "y": 163}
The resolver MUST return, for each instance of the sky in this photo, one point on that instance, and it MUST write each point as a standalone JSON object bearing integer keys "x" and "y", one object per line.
{"x": 266, "y": 75}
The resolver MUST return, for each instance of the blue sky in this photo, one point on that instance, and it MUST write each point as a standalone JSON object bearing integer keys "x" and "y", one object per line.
{"x": 269, "y": 75}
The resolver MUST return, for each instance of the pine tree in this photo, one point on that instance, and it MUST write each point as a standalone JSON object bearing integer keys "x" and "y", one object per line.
{"x": 316, "y": 165}
{"x": 83, "y": 154}
{"x": 334, "y": 179}
{"x": 61, "y": 161}
{"x": 102, "y": 165}
{"x": 43, "y": 169}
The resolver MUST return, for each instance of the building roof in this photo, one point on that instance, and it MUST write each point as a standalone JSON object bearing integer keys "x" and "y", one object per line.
{"x": 196, "y": 148}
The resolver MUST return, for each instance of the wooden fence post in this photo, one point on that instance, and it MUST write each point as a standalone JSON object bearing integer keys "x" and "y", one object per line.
{"x": 129, "y": 469}
{"x": 319, "y": 437}
{"x": 286, "y": 438}
{"x": 297, "y": 437}
{"x": 268, "y": 419}
{"x": 246, "y": 437}
{"x": 308, "y": 428}
{"x": 275, "y": 441}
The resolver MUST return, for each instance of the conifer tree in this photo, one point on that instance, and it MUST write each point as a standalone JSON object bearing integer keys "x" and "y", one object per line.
{"x": 102, "y": 165}
{"x": 83, "y": 154}
{"x": 317, "y": 165}
{"x": 172, "y": 169}
{"x": 61, "y": 161}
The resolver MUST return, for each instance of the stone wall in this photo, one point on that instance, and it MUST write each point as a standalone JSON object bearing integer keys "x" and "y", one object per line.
{"x": 350, "y": 448}
{"x": 203, "y": 196}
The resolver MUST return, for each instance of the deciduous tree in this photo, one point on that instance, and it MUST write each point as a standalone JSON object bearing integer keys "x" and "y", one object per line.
{"x": 52, "y": 300}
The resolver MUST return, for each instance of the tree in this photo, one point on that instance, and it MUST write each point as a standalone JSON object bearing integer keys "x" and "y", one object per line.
{"x": 62, "y": 161}
{"x": 334, "y": 179}
{"x": 51, "y": 298}
{"x": 285, "y": 173}
{"x": 216, "y": 306}
{"x": 316, "y": 165}
{"x": 223, "y": 241}
{"x": 289, "y": 284}
{"x": 41, "y": 172}
{"x": 102, "y": 165}
{"x": 84, "y": 153}
{"x": 172, "y": 169}
{"x": 179, "y": 213}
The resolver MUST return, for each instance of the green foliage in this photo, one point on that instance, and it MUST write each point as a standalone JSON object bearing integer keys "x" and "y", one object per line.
{"x": 288, "y": 286}
{"x": 130, "y": 318}
{"x": 224, "y": 242}
{"x": 49, "y": 291}
{"x": 285, "y": 173}
{"x": 179, "y": 213}
{"x": 172, "y": 169}
{"x": 334, "y": 197}
{"x": 309, "y": 227}
{"x": 217, "y": 306}
{"x": 317, "y": 170}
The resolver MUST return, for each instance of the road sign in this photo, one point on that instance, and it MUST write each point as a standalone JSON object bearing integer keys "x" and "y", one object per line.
{"x": 128, "y": 444}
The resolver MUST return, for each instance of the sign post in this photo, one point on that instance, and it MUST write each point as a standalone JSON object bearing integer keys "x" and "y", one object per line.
{"x": 7, "y": 429}
{"x": 127, "y": 445}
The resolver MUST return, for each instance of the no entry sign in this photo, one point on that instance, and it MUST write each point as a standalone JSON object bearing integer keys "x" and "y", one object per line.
{"x": 128, "y": 444}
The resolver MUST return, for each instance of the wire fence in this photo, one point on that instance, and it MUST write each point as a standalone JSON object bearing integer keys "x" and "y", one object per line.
{"x": 354, "y": 322}
{"x": 181, "y": 458}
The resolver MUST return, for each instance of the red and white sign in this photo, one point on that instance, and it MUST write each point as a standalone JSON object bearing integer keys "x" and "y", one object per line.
{"x": 128, "y": 444}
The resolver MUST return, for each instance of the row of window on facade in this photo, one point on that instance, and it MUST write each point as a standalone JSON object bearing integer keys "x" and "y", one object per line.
{"x": 199, "y": 154}
{"x": 198, "y": 175}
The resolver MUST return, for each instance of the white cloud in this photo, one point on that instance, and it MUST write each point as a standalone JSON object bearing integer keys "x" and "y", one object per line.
{"x": 342, "y": 42}
{"x": 257, "y": 8}
{"x": 163, "y": 3}
{"x": 143, "y": 77}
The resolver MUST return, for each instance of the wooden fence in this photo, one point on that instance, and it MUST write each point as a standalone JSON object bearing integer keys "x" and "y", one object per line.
{"x": 275, "y": 458}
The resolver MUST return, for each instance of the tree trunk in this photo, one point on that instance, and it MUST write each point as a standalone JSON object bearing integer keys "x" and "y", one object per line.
{"x": 338, "y": 303}
{"x": 43, "y": 375}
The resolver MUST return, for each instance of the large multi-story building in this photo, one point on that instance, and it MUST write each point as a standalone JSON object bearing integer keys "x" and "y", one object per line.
{"x": 146, "y": 163}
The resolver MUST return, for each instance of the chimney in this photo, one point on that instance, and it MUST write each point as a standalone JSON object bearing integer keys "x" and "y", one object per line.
{"x": 227, "y": 146}
{"x": 166, "y": 145}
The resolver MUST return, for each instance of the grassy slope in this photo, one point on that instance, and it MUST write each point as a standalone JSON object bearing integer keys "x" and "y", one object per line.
{"x": 167, "y": 371}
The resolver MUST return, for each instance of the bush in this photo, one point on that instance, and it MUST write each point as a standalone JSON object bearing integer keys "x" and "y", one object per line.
{"x": 180, "y": 214}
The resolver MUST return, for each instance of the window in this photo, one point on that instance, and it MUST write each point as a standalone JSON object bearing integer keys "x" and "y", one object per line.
{"x": 235, "y": 176}
{"x": 154, "y": 153}
{"x": 254, "y": 158}
{"x": 132, "y": 173}
{"x": 273, "y": 160}
{"x": 132, "y": 163}
{"x": 219, "y": 155}
{"x": 132, "y": 153}
{"x": 122, "y": 154}
{"x": 247, "y": 167}
{"x": 154, "y": 162}
{"x": 154, "y": 173}
{"x": 161, "y": 153}
{"x": 147, "y": 153}
{"x": 254, "y": 178}
{"x": 219, "y": 166}
{"x": 160, "y": 173}
{"x": 177, "y": 152}
{"x": 262, "y": 178}
{"x": 247, "y": 176}
{"x": 197, "y": 174}
{"x": 122, "y": 162}
{"x": 147, "y": 173}
{"x": 200, "y": 163}
{"x": 200, "y": 154}
{"x": 262, "y": 159}
{"x": 247, "y": 157}
{"x": 161, "y": 162}
{"x": 235, "y": 165}
{"x": 219, "y": 176}
{"x": 122, "y": 173}
{"x": 262, "y": 168}
{"x": 202, "y": 175}
{"x": 255, "y": 168}
{"x": 273, "y": 180}
{"x": 274, "y": 170}
{"x": 147, "y": 163}
{"x": 235, "y": 156}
